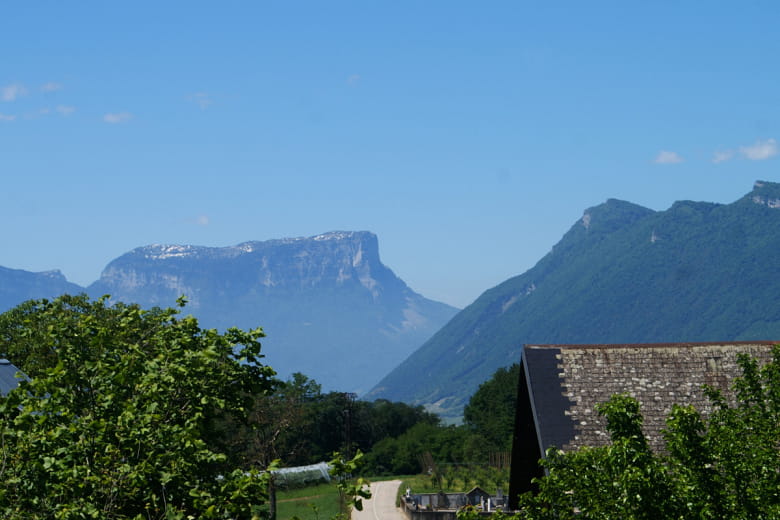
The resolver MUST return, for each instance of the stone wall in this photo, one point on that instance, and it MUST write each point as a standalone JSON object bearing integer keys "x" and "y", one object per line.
{"x": 658, "y": 376}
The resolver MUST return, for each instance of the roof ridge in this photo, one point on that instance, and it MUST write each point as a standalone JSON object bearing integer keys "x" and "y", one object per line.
{"x": 651, "y": 345}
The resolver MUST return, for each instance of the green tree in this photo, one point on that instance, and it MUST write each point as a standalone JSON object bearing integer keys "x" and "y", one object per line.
{"x": 352, "y": 489}
{"x": 490, "y": 412}
{"x": 622, "y": 480}
{"x": 384, "y": 418}
{"x": 118, "y": 420}
{"x": 726, "y": 464}
{"x": 278, "y": 425}
{"x": 325, "y": 422}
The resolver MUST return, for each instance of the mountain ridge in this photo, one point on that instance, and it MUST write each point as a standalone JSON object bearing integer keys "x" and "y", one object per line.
{"x": 698, "y": 271}
{"x": 17, "y": 285}
{"x": 329, "y": 306}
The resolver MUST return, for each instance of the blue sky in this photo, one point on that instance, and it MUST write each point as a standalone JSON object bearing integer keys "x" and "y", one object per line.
{"x": 469, "y": 136}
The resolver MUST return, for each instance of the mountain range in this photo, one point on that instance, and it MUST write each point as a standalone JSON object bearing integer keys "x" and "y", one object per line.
{"x": 698, "y": 271}
{"x": 17, "y": 285}
{"x": 329, "y": 307}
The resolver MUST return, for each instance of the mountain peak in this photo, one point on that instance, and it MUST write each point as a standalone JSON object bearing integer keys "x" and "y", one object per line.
{"x": 53, "y": 274}
{"x": 17, "y": 285}
{"x": 615, "y": 213}
{"x": 344, "y": 235}
{"x": 167, "y": 252}
{"x": 164, "y": 251}
{"x": 766, "y": 194}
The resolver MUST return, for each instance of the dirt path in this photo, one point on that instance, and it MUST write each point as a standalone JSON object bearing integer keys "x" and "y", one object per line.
{"x": 381, "y": 506}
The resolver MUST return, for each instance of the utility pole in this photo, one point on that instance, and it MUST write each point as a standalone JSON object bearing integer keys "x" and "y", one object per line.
{"x": 349, "y": 404}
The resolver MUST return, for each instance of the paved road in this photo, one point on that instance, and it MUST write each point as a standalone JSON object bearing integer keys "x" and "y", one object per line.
{"x": 381, "y": 506}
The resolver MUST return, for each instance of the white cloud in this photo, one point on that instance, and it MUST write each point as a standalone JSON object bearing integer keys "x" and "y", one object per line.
{"x": 666, "y": 157}
{"x": 65, "y": 110}
{"x": 51, "y": 87}
{"x": 760, "y": 150}
{"x": 117, "y": 117}
{"x": 13, "y": 91}
{"x": 722, "y": 156}
{"x": 6, "y": 117}
{"x": 202, "y": 220}
{"x": 202, "y": 99}
{"x": 353, "y": 79}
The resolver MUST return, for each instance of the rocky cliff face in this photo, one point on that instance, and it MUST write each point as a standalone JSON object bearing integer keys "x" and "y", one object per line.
{"x": 766, "y": 194}
{"x": 329, "y": 306}
{"x": 330, "y": 261}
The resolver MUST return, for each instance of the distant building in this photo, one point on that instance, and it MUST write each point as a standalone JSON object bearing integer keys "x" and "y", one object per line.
{"x": 8, "y": 377}
{"x": 444, "y": 506}
{"x": 561, "y": 384}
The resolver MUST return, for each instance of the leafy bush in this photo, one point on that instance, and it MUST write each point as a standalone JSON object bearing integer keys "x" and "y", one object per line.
{"x": 117, "y": 419}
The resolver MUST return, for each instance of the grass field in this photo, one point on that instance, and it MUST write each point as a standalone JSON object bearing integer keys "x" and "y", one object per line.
{"x": 319, "y": 502}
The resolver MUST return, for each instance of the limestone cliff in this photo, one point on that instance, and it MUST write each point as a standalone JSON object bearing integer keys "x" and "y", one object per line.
{"x": 331, "y": 309}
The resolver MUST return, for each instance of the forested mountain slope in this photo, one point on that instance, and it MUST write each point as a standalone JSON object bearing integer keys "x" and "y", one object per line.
{"x": 623, "y": 273}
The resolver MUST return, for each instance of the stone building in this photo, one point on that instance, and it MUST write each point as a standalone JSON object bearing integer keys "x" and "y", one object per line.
{"x": 561, "y": 384}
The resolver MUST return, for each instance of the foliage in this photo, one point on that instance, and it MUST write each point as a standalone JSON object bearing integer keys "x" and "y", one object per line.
{"x": 352, "y": 489}
{"x": 118, "y": 419}
{"x": 300, "y": 425}
{"x": 463, "y": 477}
{"x": 277, "y": 420}
{"x": 720, "y": 466}
{"x": 401, "y": 455}
{"x": 621, "y": 480}
{"x": 727, "y": 464}
{"x": 487, "y": 430}
{"x": 490, "y": 411}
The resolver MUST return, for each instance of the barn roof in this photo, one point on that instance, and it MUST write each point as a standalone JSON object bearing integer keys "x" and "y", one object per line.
{"x": 561, "y": 384}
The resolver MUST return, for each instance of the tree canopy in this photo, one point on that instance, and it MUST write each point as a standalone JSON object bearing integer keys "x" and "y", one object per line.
{"x": 299, "y": 424}
{"x": 117, "y": 419}
{"x": 490, "y": 411}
